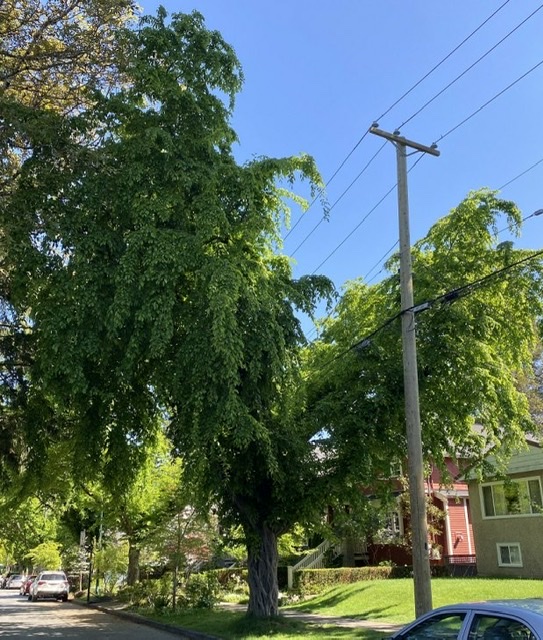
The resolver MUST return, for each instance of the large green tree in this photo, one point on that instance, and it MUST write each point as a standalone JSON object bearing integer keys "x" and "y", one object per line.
{"x": 145, "y": 260}
{"x": 478, "y": 305}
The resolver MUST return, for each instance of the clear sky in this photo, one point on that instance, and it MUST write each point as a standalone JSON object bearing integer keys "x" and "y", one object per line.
{"x": 317, "y": 74}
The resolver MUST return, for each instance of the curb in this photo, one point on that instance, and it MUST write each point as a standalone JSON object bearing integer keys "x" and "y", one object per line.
{"x": 180, "y": 632}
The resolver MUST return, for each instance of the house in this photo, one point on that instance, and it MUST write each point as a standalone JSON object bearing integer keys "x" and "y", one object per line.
{"x": 507, "y": 517}
{"x": 451, "y": 538}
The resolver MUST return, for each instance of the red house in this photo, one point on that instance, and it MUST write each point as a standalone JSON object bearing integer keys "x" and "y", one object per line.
{"x": 450, "y": 538}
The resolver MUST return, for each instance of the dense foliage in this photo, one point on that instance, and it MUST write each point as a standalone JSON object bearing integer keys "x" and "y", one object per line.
{"x": 143, "y": 260}
{"x": 475, "y": 337}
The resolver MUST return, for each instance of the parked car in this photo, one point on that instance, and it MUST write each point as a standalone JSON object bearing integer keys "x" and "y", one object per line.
{"x": 25, "y": 586}
{"x": 491, "y": 620}
{"x": 15, "y": 581}
{"x": 49, "y": 584}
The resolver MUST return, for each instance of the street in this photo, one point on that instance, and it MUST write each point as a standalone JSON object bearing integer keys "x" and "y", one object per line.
{"x": 20, "y": 618}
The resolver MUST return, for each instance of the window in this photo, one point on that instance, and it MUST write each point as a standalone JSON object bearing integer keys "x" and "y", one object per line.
{"x": 515, "y": 498}
{"x": 396, "y": 470}
{"x": 444, "y": 627}
{"x": 391, "y": 530}
{"x": 497, "y": 628}
{"x": 509, "y": 554}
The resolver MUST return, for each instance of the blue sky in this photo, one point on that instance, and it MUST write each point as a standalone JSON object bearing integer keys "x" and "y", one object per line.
{"x": 317, "y": 74}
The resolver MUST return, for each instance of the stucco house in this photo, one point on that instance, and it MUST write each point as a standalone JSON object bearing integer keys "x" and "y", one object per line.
{"x": 507, "y": 517}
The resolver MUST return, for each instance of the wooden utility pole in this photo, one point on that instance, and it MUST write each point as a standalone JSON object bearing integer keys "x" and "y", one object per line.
{"x": 417, "y": 495}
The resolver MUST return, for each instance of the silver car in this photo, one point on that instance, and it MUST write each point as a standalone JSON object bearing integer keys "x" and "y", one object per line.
{"x": 14, "y": 582}
{"x": 50, "y": 584}
{"x": 491, "y": 620}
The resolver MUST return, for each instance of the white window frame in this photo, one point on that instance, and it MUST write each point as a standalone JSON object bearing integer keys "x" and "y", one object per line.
{"x": 499, "y": 546}
{"x": 525, "y": 480}
{"x": 396, "y": 469}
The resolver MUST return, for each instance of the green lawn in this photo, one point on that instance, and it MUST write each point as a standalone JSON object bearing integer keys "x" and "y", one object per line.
{"x": 393, "y": 600}
{"x": 230, "y": 625}
{"x": 379, "y": 600}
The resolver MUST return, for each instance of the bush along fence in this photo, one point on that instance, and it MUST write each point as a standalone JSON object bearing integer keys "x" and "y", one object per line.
{"x": 313, "y": 581}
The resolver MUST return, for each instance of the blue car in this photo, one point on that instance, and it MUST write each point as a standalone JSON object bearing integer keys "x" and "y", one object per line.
{"x": 491, "y": 620}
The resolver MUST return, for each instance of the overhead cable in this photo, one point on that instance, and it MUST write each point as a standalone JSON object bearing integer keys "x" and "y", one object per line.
{"x": 363, "y": 219}
{"x": 450, "y": 296}
{"x": 413, "y": 87}
{"x": 470, "y": 67}
{"x": 340, "y": 197}
{"x": 521, "y": 174}
{"x": 509, "y": 86}
{"x": 442, "y": 61}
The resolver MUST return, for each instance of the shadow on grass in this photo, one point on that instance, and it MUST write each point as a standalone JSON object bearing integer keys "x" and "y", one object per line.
{"x": 334, "y": 598}
{"x": 230, "y": 625}
{"x": 331, "y": 598}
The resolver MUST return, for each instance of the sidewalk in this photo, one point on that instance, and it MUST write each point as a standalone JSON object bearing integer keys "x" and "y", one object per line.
{"x": 315, "y": 618}
{"x": 119, "y": 609}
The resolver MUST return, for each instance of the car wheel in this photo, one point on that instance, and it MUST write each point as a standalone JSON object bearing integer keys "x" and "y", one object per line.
{"x": 29, "y": 597}
{"x": 34, "y": 598}
{"x": 64, "y": 598}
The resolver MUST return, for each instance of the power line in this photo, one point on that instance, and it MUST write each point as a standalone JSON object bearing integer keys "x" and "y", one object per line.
{"x": 321, "y": 191}
{"x": 363, "y": 220}
{"x": 383, "y": 257}
{"x": 425, "y": 268}
{"x": 387, "y": 253}
{"x": 490, "y": 101}
{"x": 404, "y": 95}
{"x": 340, "y": 197}
{"x": 521, "y": 174}
{"x": 459, "y": 291}
{"x": 448, "y": 297}
{"x": 470, "y": 67}
{"x": 442, "y": 61}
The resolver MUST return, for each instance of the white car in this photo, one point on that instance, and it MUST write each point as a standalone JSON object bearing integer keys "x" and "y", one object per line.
{"x": 491, "y": 620}
{"x": 14, "y": 582}
{"x": 50, "y": 584}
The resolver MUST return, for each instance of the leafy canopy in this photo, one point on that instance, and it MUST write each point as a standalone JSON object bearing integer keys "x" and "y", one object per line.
{"x": 474, "y": 340}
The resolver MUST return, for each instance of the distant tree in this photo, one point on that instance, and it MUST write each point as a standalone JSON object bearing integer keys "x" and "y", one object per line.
{"x": 531, "y": 383}
{"x": 25, "y": 526}
{"x": 46, "y": 555}
{"x": 143, "y": 507}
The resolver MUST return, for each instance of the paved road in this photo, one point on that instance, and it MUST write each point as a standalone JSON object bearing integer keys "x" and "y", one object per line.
{"x": 49, "y": 619}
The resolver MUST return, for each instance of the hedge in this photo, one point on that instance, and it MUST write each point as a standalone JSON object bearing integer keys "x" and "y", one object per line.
{"x": 312, "y": 581}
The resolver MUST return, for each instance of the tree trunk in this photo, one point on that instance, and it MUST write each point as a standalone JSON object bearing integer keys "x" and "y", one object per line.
{"x": 262, "y": 565}
{"x": 133, "y": 574}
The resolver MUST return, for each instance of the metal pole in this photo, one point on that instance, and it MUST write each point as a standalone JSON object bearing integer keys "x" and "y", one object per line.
{"x": 417, "y": 496}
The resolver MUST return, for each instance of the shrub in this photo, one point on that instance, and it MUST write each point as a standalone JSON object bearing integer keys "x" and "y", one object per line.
{"x": 202, "y": 590}
{"x": 148, "y": 593}
{"x": 313, "y": 581}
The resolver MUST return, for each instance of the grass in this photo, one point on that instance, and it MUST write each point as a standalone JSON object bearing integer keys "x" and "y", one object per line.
{"x": 378, "y": 600}
{"x": 393, "y": 600}
{"x": 231, "y": 625}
